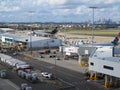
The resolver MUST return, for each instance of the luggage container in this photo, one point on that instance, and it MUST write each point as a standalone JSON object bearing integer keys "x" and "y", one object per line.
{"x": 22, "y": 66}
{"x": 24, "y": 86}
{"x": 3, "y": 57}
{"x": 3, "y": 74}
{"x": 31, "y": 77}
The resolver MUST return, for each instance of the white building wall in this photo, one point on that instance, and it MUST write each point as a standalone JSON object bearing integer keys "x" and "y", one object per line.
{"x": 45, "y": 43}
{"x": 71, "y": 49}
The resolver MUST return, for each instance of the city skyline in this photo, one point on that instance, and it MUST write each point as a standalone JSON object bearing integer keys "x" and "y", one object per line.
{"x": 57, "y": 10}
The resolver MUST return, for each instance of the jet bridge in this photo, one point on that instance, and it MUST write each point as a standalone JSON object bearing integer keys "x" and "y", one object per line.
{"x": 104, "y": 60}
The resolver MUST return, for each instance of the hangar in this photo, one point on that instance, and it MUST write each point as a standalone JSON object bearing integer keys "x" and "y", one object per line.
{"x": 30, "y": 41}
{"x": 7, "y": 30}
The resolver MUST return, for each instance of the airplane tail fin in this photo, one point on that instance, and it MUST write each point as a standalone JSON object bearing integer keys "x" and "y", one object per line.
{"x": 54, "y": 31}
{"x": 116, "y": 39}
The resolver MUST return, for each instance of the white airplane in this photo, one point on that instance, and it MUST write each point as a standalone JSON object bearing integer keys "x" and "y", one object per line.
{"x": 49, "y": 33}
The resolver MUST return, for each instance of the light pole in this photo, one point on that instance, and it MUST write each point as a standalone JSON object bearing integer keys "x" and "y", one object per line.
{"x": 55, "y": 71}
{"x": 31, "y": 13}
{"x": 65, "y": 31}
{"x": 91, "y": 74}
{"x": 93, "y": 8}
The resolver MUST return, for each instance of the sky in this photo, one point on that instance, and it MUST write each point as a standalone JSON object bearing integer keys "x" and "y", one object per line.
{"x": 58, "y": 10}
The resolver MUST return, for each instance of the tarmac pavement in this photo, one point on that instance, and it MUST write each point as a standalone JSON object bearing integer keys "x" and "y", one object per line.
{"x": 69, "y": 64}
{"x": 5, "y": 84}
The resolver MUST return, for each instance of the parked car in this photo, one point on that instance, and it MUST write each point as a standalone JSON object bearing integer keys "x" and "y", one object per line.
{"x": 47, "y": 75}
{"x": 15, "y": 53}
{"x": 52, "y": 55}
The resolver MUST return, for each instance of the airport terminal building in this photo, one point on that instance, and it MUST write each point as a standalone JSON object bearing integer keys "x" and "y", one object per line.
{"x": 30, "y": 41}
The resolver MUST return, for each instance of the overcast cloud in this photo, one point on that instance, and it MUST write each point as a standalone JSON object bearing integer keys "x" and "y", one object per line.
{"x": 58, "y": 10}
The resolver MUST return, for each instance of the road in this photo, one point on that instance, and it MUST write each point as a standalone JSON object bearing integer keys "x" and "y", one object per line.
{"x": 14, "y": 80}
{"x": 70, "y": 77}
{"x": 5, "y": 84}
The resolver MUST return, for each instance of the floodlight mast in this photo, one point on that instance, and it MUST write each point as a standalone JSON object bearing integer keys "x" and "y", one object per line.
{"x": 93, "y": 8}
{"x": 31, "y": 13}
